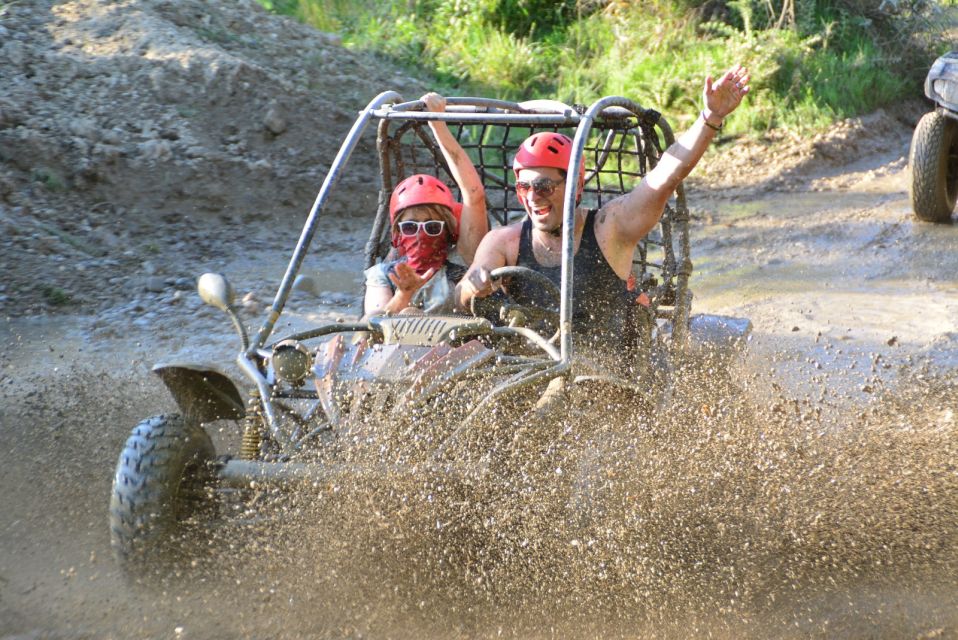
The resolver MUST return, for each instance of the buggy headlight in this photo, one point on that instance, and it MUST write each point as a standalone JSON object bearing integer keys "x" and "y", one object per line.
{"x": 291, "y": 361}
{"x": 947, "y": 89}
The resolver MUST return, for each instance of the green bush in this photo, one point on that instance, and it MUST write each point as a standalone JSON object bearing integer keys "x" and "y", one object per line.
{"x": 49, "y": 178}
{"x": 55, "y": 296}
{"x": 812, "y": 61}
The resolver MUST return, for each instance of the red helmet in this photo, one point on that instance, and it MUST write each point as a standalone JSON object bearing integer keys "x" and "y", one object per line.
{"x": 424, "y": 189}
{"x": 546, "y": 149}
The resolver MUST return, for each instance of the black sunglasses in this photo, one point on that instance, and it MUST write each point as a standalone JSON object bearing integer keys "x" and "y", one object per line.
{"x": 544, "y": 187}
{"x": 410, "y": 228}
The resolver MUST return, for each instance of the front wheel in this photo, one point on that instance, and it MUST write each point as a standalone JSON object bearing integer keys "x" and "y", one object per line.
{"x": 934, "y": 167}
{"x": 162, "y": 480}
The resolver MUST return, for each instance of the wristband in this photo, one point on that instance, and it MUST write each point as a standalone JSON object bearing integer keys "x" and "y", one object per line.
{"x": 710, "y": 125}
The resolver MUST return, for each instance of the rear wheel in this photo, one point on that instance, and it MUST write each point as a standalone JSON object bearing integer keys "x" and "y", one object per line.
{"x": 934, "y": 167}
{"x": 162, "y": 482}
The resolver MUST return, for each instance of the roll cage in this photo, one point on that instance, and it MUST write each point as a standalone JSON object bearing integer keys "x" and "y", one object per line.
{"x": 619, "y": 140}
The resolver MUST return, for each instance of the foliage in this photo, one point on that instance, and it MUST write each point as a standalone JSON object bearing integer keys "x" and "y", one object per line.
{"x": 49, "y": 178}
{"x": 812, "y": 61}
{"x": 55, "y": 296}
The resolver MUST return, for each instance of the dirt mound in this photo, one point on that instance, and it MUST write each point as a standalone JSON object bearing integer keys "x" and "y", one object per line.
{"x": 132, "y": 124}
{"x": 188, "y": 107}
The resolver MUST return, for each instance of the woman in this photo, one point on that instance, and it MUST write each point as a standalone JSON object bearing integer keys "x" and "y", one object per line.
{"x": 426, "y": 222}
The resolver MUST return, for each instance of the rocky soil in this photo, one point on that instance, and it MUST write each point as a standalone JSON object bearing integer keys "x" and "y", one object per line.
{"x": 138, "y": 138}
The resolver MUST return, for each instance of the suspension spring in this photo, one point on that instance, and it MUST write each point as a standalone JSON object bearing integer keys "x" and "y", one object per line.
{"x": 252, "y": 430}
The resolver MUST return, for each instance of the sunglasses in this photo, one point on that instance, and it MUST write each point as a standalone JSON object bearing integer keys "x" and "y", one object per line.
{"x": 544, "y": 187}
{"x": 411, "y": 228}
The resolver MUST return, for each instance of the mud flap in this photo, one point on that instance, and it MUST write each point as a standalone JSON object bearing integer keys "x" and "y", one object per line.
{"x": 202, "y": 393}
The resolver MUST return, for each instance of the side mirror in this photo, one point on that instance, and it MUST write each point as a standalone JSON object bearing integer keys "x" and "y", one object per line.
{"x": 215, "y": 291}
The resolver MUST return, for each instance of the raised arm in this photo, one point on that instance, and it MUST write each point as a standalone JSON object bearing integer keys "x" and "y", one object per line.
{"x": 634, "y": 214}
{"x": 381, "y": 298}
{"x": 474, "y": 223}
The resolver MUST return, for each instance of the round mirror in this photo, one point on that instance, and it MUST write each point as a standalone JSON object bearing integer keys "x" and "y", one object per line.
{"x": 215, "y": 290}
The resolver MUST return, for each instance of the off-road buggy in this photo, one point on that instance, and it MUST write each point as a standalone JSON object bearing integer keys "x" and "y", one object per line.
{"x": 934, "y": 146}
{"x": 425, "y": 395}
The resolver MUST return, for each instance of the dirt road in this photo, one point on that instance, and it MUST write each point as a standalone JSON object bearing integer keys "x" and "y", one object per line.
{"x": 836, "y": 276}
{"x": 850, "y": 372}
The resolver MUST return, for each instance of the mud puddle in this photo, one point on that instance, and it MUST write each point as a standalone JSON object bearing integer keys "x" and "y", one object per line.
{"x": 845, "y": 289}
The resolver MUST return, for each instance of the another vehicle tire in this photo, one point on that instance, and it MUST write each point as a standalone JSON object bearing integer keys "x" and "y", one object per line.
{"x": 934, "y": 167}
{"x": 162, "y": 480}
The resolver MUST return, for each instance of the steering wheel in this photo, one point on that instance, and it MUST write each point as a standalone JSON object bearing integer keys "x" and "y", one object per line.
{"x": 502, "y": 308}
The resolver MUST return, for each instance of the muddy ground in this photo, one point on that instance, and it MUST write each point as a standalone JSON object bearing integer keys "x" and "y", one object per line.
{"x": 824, "y": 504}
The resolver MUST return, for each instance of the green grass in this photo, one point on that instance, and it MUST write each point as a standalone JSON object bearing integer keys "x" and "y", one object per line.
{"x": 55, "y": 296}
{"x": 49, "y": 178}
{"x": 836, "y": 59}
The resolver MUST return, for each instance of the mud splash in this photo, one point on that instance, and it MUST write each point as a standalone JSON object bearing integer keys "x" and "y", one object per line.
{"x": 734, "y": 516}
{"x": 726, "y": 519}
{"x": 746, "y": 510}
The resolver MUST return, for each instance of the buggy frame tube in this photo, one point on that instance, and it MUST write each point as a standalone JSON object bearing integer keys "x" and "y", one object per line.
{"x": 480, "y": 117}
{"x": 557, "y": 370}
{"x": 382, "y": 204}
{"x": 614, "y": 103}
{"x": 683, "y": 301}
{"x": 245, "y": 358}
{"x": 532, "y": 337}
{"x": 269, "y": 412}
{"x": 302, "y": 246}
{"x": 568, "y": 220}
{"x": 466, "y": 103}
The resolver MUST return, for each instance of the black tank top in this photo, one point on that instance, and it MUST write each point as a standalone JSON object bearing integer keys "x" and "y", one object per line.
{"x": 601, "y": 304}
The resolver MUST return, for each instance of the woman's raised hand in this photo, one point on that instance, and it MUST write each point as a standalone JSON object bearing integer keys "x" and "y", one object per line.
{"x": 407, "y": 280}
{"x": 434, "y": 102}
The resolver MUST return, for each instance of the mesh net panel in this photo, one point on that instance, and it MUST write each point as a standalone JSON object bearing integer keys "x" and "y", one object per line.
{"x": 618, "y": 153}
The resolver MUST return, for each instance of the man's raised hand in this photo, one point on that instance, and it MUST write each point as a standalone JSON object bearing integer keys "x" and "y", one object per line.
{"x": 723, "y": 96}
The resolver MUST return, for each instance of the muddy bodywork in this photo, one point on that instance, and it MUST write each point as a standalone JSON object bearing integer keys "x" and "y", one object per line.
{"x": 202, "y": 393}
{"x": 941, "y": 84}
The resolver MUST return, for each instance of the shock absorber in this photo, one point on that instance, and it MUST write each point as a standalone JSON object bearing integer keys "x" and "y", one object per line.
{"x": 252, "y": 428}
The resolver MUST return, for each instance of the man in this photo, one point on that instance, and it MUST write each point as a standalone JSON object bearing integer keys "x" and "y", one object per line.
{"x": 605, "y": 240}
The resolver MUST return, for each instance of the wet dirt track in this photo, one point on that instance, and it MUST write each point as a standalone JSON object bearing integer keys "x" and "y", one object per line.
{"x": 824, "y": 505}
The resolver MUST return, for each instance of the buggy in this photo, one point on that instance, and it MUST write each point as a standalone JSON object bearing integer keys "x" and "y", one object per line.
{"x": 933, "y": 156}
{"x": 444, "y": 391}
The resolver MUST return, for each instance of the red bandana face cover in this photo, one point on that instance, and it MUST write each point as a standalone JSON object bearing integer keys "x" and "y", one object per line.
{"x": 424, "y": 252}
